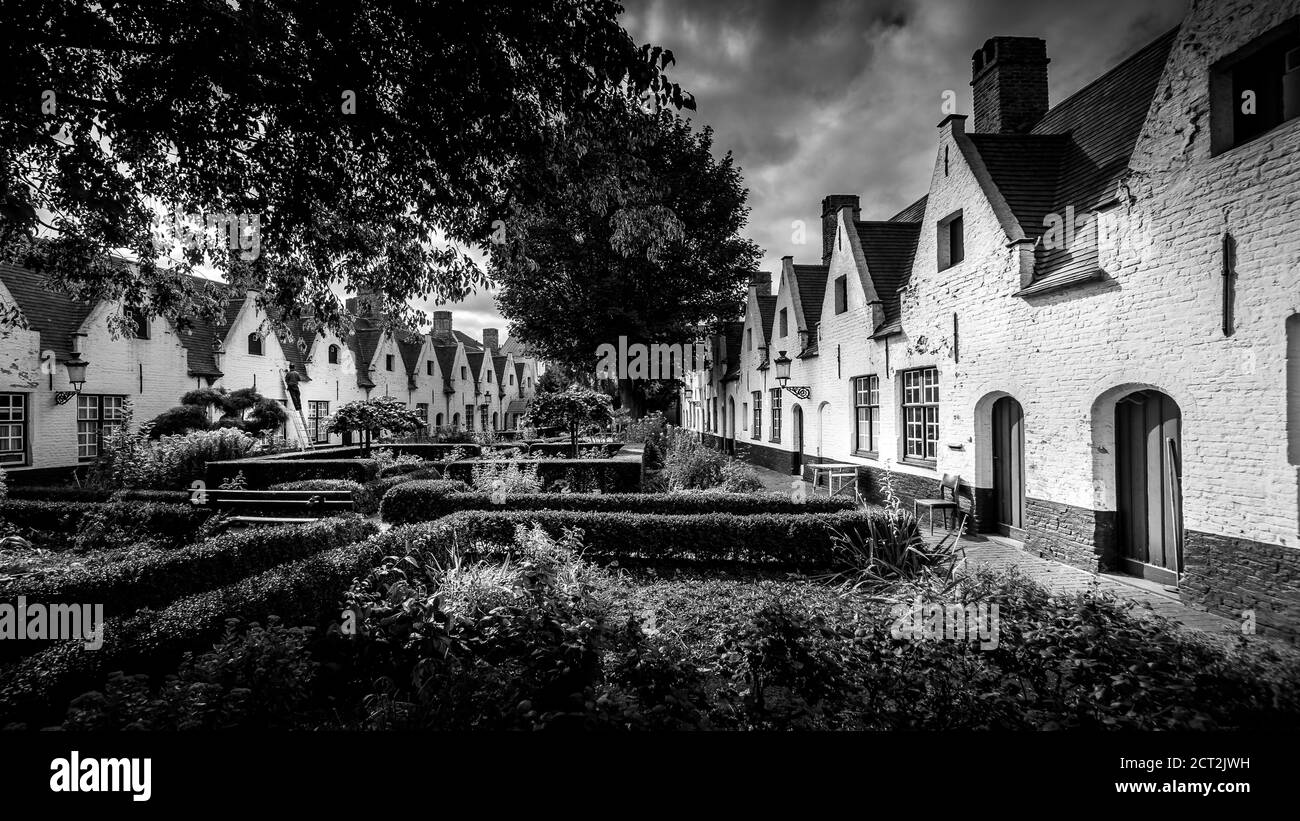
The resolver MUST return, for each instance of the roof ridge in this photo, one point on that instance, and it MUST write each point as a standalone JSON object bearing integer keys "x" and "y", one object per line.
{"x": 1140, "y": 52}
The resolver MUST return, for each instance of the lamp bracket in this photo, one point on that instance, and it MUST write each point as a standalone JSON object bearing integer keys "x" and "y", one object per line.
{"x": 62, "y": 397}
{"x": 802, "y": 391}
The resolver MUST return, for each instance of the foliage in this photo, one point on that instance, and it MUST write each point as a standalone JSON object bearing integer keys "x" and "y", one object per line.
{"x": 506, "y": 477}
{"x": 254, "y": 678}
{"x": 302, "y": 592}
{"x": 371, "y": 415}
{"x": 261, "y": 473}
{"x": 638, "y": 228}
{"x": 386, "y": 460}
{"x": 385, "y": 81}
{"x": 420, "y": 503}
{"x": 651, "y": 428}
{"x": 133, "y": 459}
{"x": 363, "y": 498}
{"x": 236, "y": 482}
{"x": 572, "y": 410}
{"x": 740, "y": 477}
{"x": 155, "y": 577}
{"x": 606, "y": 475}
{"x": 244, "y": 409}
{"x": 81, "y": 526}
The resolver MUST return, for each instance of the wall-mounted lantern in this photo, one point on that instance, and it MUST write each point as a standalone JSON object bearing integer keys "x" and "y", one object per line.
{"x": 76, "y": 377}
{"x": 782, "y": 363}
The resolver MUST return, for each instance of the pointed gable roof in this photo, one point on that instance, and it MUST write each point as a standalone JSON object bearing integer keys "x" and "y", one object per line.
{"x": 446, "y": 356}
{"x": 475, "y": 362}
{"x": 1076, "y": 155}
{"x": 810, "y": 286}
{"x": 766, "y": 313}
{"x": 54, "y": 315}
{"x": 890, "y": 250}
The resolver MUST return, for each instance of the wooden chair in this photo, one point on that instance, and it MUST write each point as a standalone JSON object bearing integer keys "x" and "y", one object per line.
{"x": 950, "y": 482}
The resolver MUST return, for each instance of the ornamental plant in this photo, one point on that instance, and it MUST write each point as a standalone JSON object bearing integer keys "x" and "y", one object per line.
{"x": 368, "y": 417}
{"x": 573, "y": 409}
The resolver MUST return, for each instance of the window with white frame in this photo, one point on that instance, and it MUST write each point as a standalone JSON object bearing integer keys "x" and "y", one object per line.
{"x": 921, "y": 414}
{"x": 13, "y": 428}
{"x": 776, "y": 414}
{"x": 757, "y": 430}
{"x": 866, "y": 404}
{"x": 97, "y": 416}
{"x": 318, "y": 413}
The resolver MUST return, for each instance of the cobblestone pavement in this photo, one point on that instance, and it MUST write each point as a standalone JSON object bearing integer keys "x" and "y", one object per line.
{"x": 1061, "y": 578}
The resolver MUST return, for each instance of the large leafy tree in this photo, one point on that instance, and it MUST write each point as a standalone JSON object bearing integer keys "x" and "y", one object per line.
{"x": 630, "y": 227}
{"x": 367, "y": 137}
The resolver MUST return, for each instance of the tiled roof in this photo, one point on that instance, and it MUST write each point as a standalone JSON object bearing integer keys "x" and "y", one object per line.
{"x": 410, "y": 344}
{"x": 912, "y": 213}
{"x": 519, "y": 375}
{"x": 517, "y": 348}
{"x": 517, "y": 406}
{"x": 470, "y": 342}
{"x": 735, "y": 333}
{"x": 446, "y": 355}
{"x": 1076, "y": 154}
{"x": 475, "y": 363}
{"x": 889, "y": 248}
{"x": 766, "y": 312}
{"x": 55, "y": 316}
{"x": 811, "y": 281}
{"x": 499, "y": 365}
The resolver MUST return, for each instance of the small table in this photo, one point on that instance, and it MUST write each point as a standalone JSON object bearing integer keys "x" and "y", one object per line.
{"x": 847, "y": 473}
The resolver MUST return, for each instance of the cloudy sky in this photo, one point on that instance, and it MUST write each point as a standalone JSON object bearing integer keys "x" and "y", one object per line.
{"x": 816, "y": 97}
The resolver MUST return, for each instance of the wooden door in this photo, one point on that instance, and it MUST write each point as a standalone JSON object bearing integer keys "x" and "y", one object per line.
{"x": 797, "y": 463}
{"x": 1149, "y": 494}
{"x": 1009, "y": 466}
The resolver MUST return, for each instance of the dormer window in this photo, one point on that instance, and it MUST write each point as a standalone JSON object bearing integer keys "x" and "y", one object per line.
{"x": 388, "y": 362}
{"x": 139, "y": 323}
{"x": 255, "y": 344}
{"x": 784, "y": 323}
{"x": 334, "y": 354}
{"x": 841, "y": 294}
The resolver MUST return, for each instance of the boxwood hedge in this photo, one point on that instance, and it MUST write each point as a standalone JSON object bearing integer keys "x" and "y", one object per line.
{"x": 418, "y": 502}
{"x": 306, "y": 591}
{"x": 81, "y": 525}
{"x": 156, "y": 578}
{"x": 771, "y": 540}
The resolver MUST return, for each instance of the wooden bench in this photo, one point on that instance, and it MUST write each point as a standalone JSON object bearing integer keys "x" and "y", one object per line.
{"x": 254, "y": 507}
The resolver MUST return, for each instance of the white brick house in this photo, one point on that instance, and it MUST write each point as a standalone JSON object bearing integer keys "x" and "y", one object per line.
{"x": 1125, "y": 394}
{"x": 47, "y": 429}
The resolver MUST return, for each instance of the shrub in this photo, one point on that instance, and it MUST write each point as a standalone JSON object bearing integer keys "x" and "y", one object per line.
{"x": 507, "y": 477}
{"x": 179, "y": 420}
{"x": 740, "y": 477}
{"x": 89, "y": 525}
{"x": 760, "y": 539}
{"x": 364, "y": 499}
{"x": 379, "y": 487}
{"x": 255, "y": 678}
{"x": 402, "y": 465}
{"x": 157, "y": 578}
{"x": 63, "y": 493}
{"x": 405, "y": 502}
{"x": 262, "y": 473}
{"x": 688, "y": 464}
{"x": 303, "y": 592}
{"x": 606, "y": 475}
{"x": 416, "y": 503}
{"x": 134, "y": 460}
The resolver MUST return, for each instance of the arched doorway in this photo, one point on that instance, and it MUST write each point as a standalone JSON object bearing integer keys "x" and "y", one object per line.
{"x": 1009, "y": 466}
{"x": 1148, "y": 485}
{"x": 796, "y": 421}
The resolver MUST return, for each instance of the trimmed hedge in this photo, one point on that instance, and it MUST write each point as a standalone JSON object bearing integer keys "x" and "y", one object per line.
{"x": 174, "y": 497}
{"x": 60, "y": 493}
{"x": 419, "y": 503}
{"x": 610, "y": 475}
{"x": 260, "y": 474}
{"x": 304, "y": 592}
{"x": 77, "y": 525}
{"x": 405, "y": 468}
{"x": 771, "y": 540}
{"x": 160, "y": 577}
{"x": 565, "y": 449}
{"x": 364, "y": 498}
{"x": 380, "y": 487}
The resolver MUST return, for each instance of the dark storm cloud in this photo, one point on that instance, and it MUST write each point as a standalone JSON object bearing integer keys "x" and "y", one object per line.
{"x": 835, "y": 96}
{"x": 828, "y": 97}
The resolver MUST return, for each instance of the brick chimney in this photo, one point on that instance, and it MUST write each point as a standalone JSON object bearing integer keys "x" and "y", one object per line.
{"x": 830, "y": 213}
{"x": 1009, "y": 82}
{"x": 761, "y": 282}
{"x": 441, "y": 323}
{"x": 490, "y": 340}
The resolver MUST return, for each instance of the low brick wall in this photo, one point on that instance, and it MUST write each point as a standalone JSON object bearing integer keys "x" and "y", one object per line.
{"x": 1227, "y": 575}
{"x": 910, "y": 487}
{"x": 1077, "y": 536}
